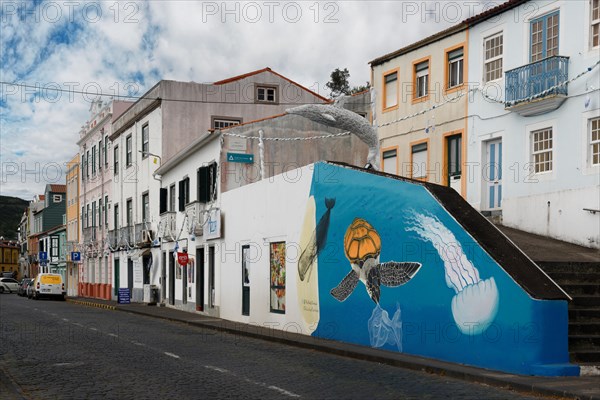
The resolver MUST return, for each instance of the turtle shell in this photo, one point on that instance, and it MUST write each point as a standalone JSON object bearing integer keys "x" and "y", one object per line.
{"x": 361, "y": 241}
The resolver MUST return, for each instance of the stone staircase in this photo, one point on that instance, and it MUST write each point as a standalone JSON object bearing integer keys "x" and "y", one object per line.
{"x": 581, "y": 280}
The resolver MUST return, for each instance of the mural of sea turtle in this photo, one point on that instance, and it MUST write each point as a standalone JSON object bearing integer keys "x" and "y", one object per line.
{"x": 362, "y": 245}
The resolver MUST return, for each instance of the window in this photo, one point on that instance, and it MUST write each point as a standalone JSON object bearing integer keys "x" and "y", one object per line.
{"x": 94, "y": 160}
{"x": 421, "y": 79}
{"x": 220, "y": 123}
{"x": 128, "y": 154}
{"x": 595, "y": 23}
{"x": 106, "y": 151}
{"x": 594, "y": 128}
{"x": 455, "y": 68}
{"x": 454, "y": 148}
{"x": 419, "y": 161}
{"x": 116, "y": 160}
{"x": 57, "y": 198}
{"x": 129, "y": 212}
{"x": 87, "y": 216}
{"x": 87, "y": 164}
{"x": 266, "y": 94}
{"x": 145, "y": 207}
{"x": 277, "y": 258}
{"x": 93, "y": 214}
{"x": 106, "y": 210}
{"x": 541, "y": 154}
{"x": 163, "y": 200}
{"x": 184, "y": 193}
{"x": 544, "y": 37}
{"x": 100, "y": 213}
{"x": 493, "y": 51}
{"x": 116, "y": 215}
{"x": 390, "y": 161}
{"x": 54, "y": 247}
{"x": 172, "y": 197}
{"x": 99, "y": 155}
{"x": 145, "y": 141}
{"x": 390, "y": 90}
{"x": 82, "y": 217}
{"x": 207, "y": 183}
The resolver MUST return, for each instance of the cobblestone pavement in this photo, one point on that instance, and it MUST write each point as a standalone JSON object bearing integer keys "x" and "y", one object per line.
{"x": 56, "y": 350}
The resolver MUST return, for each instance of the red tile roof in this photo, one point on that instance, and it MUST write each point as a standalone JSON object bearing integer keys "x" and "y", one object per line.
{"x": 58, "y": 188}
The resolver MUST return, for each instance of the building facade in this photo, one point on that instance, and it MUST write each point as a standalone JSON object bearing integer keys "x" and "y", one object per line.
{"x": 72, "y": 236}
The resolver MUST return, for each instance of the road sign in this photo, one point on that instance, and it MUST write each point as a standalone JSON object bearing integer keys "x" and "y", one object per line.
{"x": 75, "y": 256}
{"x": 124, "y": 296}
{"x": 43, "y": 263}
{"x": 240, "y": 158}
{"x": 43, "y": 255}
{"x": 182, "y": 258}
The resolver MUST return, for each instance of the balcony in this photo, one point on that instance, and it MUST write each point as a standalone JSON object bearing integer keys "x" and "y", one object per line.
{"x": 113, "y": 239}
{"x": 142, "y": 234}
{"x": 530, "y": 89}
{"x": 195, "y": 213}
{"x": 89, "y": 234}
{"x": 126, "y": 236}
{"x": 168, "y": 223}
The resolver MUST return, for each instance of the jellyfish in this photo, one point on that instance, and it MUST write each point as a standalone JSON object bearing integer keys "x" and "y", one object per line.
{"x": 475, "y": 302}
{"x": 384, "y": 330}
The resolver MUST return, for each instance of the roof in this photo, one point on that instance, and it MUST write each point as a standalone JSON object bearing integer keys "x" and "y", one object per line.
{"x": 267, "y": 69}
{"x": 461, "y": 26}
{"x": 58, "y": 188}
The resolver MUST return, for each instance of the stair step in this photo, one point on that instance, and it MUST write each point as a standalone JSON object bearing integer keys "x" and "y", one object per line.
{"x": 565, "y": 278}
{"x": 584, "y": 343}
{"x": 587, "y": 301}
{"x": 579, "y": 314}
{"x": 585, "y": 357}
{"x": 586, "y": 328}
{"x": 571, "y": 267}
{"x": 578, "y": 289}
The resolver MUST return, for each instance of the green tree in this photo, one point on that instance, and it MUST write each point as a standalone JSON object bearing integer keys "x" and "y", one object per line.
{"x": 338, "y": 84}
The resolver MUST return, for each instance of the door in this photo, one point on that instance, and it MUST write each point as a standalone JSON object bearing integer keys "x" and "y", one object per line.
{"x": 454, "y": 161}
{"x": 200, "y": 279}
{"x": 245, "y": 280}
{"x": 492, "y": 175}
{"x": 171, "y": 279}
{"x": 184, "y": 287}
{"x": 163, "y": 277}
{"x": 117, "y": 276}
{"x": 211, "y": 277}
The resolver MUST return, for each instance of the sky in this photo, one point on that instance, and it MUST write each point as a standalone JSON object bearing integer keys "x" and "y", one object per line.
{"x": 126, "y": 47}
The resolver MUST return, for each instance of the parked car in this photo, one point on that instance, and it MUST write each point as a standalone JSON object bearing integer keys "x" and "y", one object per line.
{"x": 48, "y": 285}
{"x": 22, "y": 291}
{"x": 30, "y": 289}
{"x": 9, "y": 285}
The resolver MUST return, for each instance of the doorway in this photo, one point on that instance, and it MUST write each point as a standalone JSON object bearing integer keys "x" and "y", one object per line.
{"x": 211, "y": 277}
{"x": 117, "y": 276}
{"x": 171, "y": 278}
{"x": 200, "y": 279}
{"x": 492, "y": 176}
{"x": 246, "y": 280}
{"x": 163, "y": 277}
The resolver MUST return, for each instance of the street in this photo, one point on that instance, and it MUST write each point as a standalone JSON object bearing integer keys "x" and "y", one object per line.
{"x": 56, "y": 350}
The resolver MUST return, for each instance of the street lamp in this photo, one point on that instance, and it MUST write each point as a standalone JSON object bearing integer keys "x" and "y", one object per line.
{"x": 147, "y": 153}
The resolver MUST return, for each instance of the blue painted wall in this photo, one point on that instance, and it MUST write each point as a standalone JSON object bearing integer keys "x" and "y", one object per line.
{"x": 520, "y": 334}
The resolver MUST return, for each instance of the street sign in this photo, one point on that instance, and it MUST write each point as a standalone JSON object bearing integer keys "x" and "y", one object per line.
{"x": 43, "y": 255}
{"x": 240, "y": 158}
{"x": 75, "y": 256}
{"x": 124, "y": 296}
{"x": 182, "y": 258}
{"x": 43, "y": 263}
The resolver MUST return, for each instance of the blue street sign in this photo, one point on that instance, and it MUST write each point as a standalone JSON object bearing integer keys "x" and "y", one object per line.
{"x": 43, "y": 255}
{"x": 240, "y": 158}
{"x": 43, "y": 263}
{"x": 124, "y": 296}
{"x": 75, "y": 256}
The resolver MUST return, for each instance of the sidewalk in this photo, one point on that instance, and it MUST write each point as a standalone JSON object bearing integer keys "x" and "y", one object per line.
{"x": 587, "y": 387}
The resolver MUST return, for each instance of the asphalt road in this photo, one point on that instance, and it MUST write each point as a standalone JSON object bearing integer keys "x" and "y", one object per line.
{"x": 58, "y": 350}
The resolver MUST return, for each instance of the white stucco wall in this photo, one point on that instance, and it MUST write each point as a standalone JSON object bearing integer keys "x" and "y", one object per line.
{"x": 548, "y": 203}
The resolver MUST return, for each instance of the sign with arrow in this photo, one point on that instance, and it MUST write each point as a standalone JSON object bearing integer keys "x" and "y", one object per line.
{"x": 240, "y": 158}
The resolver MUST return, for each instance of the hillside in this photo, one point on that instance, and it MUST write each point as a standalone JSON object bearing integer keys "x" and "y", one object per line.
{"x": 11, "y": 210}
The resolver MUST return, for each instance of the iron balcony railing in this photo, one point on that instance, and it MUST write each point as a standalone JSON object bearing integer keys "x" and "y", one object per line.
{"x": 126, "y": 236}
{"x": 89, "y": 234}
{"x": 537, "y": 80}
{"x": 113, "y": 238}
{"x": 168, "y": 221}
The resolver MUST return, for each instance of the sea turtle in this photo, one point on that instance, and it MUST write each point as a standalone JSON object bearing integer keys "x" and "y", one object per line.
{"x": 362, "y": 246}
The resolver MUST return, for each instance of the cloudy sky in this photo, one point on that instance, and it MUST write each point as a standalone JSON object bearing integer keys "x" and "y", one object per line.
{"x": 126, "y": 47}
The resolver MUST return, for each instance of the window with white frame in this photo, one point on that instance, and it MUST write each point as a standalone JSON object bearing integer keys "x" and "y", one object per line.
{"x": 220, "y": 123}
{"x": 541, "y": 150}
{"x": 391, "y": 90}
{"x": 390, "y": 161}
{"x": 493, "y": 49}
{"x": 266, "y": 94}
{"x": 419, "y": 161}
{"x": 93, "y": 160}
{"x": 56, "y": 198}
{"x": 145, "y": 140}
{"x": 116, "y": 160}
{"x": 594, "y": 128}
{"x": 595, "y": 23}
{"x": 128, "y": 152}
{"x": 455, "y": 68}
{"x": 99, "y": 155}
{"x": 422, "y": 79}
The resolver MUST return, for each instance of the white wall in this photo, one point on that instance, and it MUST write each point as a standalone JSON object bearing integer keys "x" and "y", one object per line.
{"x": 572, "y": 185}
{"x": 271, "y": 210}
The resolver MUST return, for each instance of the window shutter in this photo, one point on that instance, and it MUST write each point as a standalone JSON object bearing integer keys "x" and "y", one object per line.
{"x": 163, "y": 200}
{"x": 182, "y": 195}
{"x": 203, "y": 185}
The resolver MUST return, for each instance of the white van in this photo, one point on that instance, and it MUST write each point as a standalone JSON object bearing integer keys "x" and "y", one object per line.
{"x": 49, "y": 285}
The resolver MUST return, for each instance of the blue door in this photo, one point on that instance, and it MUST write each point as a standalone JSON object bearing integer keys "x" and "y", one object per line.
{"x": 492, "y": 176}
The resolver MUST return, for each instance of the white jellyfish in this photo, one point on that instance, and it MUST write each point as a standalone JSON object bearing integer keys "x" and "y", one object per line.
{"x": 475, "y": 304}
{"x": 384, "y": 330}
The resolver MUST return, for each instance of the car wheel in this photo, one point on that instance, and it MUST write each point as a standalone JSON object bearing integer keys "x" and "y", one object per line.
{"x": 1, "y": 289}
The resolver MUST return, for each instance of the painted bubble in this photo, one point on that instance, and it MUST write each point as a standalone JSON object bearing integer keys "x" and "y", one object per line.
{"x": 475, "y": 303}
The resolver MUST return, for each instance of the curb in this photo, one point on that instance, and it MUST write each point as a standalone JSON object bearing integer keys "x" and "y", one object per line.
{"x": 92, "y": 304}
{"x": 440, "y": 368}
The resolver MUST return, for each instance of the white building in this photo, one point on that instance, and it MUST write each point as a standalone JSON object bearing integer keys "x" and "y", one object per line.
{"x": 534, "y": 148}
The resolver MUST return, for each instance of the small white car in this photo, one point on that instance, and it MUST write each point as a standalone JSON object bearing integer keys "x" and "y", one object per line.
{"x": 9, "y": 285}
{"x": 48, "y": 285}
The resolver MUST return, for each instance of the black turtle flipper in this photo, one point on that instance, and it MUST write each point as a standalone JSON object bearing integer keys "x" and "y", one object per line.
{"x": 346, "y": 286}
{"x": 373, "y": 283}
{"x": 397, "y": 273}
